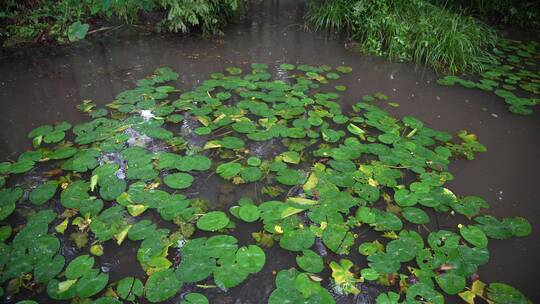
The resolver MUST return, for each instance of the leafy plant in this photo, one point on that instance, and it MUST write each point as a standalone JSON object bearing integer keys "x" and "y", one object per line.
{"x": 68, "y": 20}
{"x": 412, "y": 30}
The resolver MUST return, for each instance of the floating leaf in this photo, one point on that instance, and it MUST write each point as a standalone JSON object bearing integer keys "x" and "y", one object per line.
{"x": 213, "y": 221}
{"x": 451, "y": 283}
{"x": 178, "y": 180}
{"x": 130, "y": 288}
{"x": 194, "y": 298}
{"x": 91, "y": 284}
{"x": 251, "y": 258}
{"x": 161, "y": 286}
{"x": 249, "y": 213}
{"x": 310, "y": 261}
{"x": 228, "y": 170}
{"x": 79, "y": 266}
{"x": 474, "y": 235}
{"x": 44, "y": 192}
{"x": 415, "y": 215}
{"x": 504, "y": 293}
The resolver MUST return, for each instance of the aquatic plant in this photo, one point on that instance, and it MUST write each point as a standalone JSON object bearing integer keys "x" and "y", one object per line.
{"x": 331, "y": 175}
{"x": 411, "y": 30}
{"x": 511, "y": 72}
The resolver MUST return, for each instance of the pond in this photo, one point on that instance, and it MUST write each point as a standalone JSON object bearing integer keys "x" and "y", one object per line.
{"x": 40, "y": 87}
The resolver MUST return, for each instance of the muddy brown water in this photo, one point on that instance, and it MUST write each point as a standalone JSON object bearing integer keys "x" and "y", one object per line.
{"x": 42, "y": 86}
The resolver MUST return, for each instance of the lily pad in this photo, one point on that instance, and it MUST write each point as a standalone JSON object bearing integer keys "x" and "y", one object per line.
{"x": 249, "y": 213}
{"x": 415, "y": 215}
{"x": 161, "y": 286}
{"x": 130, "y": 288}
{"x": 474, "y": 235}
{"x": 228, "y": 170}
{"x": 79, "y": 266}
{"x": 43, "y": 193}
{"x": 178, "y": 180}
{"x": 194, "y": 298}
{"x": 310, "y": 261}
{"x": 213, "y": 221}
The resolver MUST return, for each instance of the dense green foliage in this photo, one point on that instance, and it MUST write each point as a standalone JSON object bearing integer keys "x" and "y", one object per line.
{"x": 524, "y": 13}
{"x": 64, "y": 20}
{"x": 333, "y": 174}
{"x": 412, "y": 30}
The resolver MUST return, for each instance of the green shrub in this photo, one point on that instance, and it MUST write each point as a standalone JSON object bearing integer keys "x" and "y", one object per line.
{"x": 43, "y": 20}
{"x": 63, "y": 20}
{"x": 523, "y": 13}
{"x": 412, "y": 30}
{"x": 209, "y": 15}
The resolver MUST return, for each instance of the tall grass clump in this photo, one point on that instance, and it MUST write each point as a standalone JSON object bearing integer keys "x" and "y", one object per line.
{"x": 330, "y": 15}
{"x": 414, "y": 30}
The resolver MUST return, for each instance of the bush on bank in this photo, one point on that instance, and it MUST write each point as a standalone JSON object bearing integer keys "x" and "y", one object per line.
{"x": 31, "y": 21}
{"x": 411, "y": 30}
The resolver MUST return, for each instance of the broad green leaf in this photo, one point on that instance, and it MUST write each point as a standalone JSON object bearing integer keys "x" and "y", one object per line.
{"x": 178, "y": 180}
{"x": 213, "y": 221}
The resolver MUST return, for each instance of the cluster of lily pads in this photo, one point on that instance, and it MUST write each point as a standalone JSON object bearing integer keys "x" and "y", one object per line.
{"x": 512, "y": 73}
{"x": 331, "y": 177}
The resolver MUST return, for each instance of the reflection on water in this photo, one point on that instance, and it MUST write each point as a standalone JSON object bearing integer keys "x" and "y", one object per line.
{"x": 43, "y": 86}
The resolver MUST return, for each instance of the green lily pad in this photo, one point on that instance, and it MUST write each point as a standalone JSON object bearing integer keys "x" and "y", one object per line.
{"x": 249, "y": 213}
{"x": 310, "y": 261}
{"x": 79, "y": 266}
{"x": 254, "y": 161}
{"x": 8, "y": 199}
{"x": 251, "y": 258}
{"x": 344, "y": 69}
{"x": 451, "y": 283}
{"x": 504, "y": 293}
{"x": 76, "y": 195}
{"x": 161, "y": 286}
{"x": 297, "y": 240}
{"x": 426, "y": 292}
{"x": 228, "y": 170}
{"x": 474, "y": 235}
{"x": 286, "y": 66}
{"x": 194, "y": 298}
{"x": 388, "y": 298}
{"x": 178, "y": 180}
{"x": 415, "y": 215}
{"x": 290, "y": 177}
{"x": 251, "y": 174}
{"x": 130, "y": 288}
{"x": 46, "y": 270}
{"x": 91, "y": 284}
{"x": 383, "y": 263}
{"x": 213, "y": 221}
{"x": 229, "y": 275}
{"x": 519, "y": 226}
{"x": 43, "y": 193}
